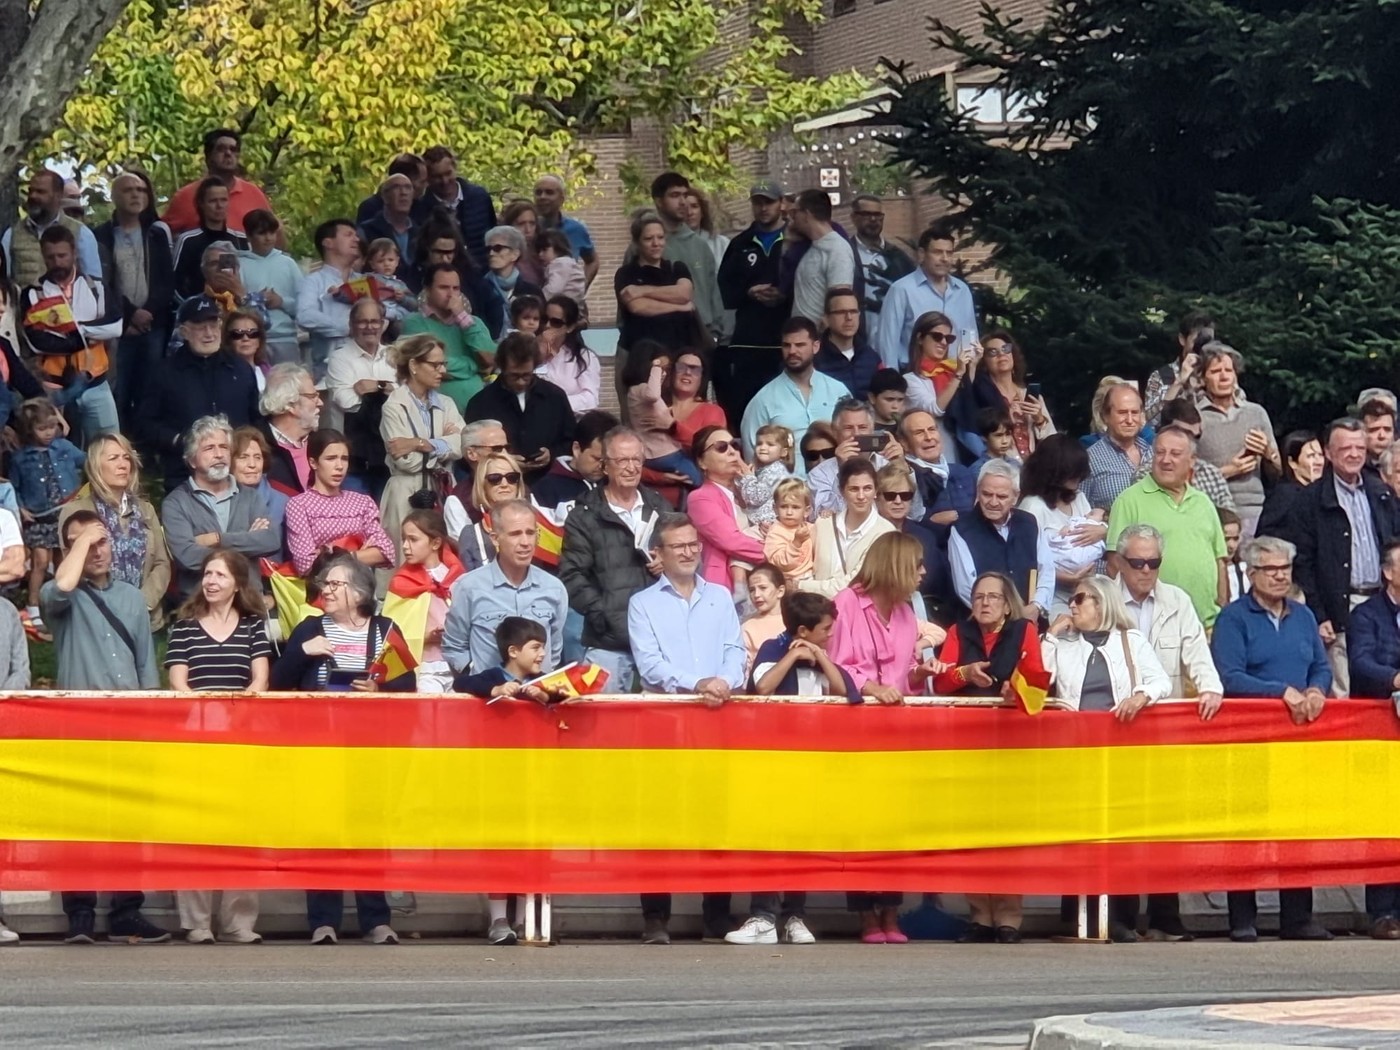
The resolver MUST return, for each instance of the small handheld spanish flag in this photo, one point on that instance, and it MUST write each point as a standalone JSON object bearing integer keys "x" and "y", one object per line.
{"x": 1031, "y": 689}
{"x": 394, "y": 659}
{"x": 51, "y": 315}
{"x": 572, "y": 680}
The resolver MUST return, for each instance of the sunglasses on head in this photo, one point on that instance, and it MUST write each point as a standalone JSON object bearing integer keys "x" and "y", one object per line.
{"x": 815, "y": 455}
{"x": 513, "y": 478}
{"x": 1144, "y": 563}
{"x": 896, "y": 497}
{"x": 946, "y": 338}
{"x": 722, "y": 447}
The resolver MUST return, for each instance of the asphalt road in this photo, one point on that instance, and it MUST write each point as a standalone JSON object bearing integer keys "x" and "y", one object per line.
{"x": 288, "y": 994}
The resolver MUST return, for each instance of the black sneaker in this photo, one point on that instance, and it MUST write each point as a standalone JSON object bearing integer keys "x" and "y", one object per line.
{"x": 80, "y": 926}
{"x": 1312, "y": 930}
{"x": 1120, "y": 934}
{"x": 1169, "y": 930}
{"x": 1244, "y": 935}
{"x": 654, "y": 932}
{"x": 136, "y": 930}
{"x": 977, "y": 933}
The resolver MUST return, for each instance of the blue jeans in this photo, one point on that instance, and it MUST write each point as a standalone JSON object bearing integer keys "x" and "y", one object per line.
{"x": 678, "y": 463}
{"x": 327, "y": 908}
{"x": 97, "y": 414}
{"x": 573, "y": 636}
{"x": 622, "y": 671}
{"x": 138, "y": 356}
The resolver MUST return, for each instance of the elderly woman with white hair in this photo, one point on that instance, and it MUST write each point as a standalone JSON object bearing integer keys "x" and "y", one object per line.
{"x": 505, "y": 247}
{"x": 997, "y": 537}
{"x": 1097, "y": 659}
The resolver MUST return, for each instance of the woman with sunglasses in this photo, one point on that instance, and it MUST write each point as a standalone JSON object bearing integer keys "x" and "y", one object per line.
{"x": 328, "y": 516}
{"x": 420, "y": 427}
{"x": 566, "y": 360}
{"x": 1097, "y": 659}
{"x": 819, "y": 444}
{"x": 940, "y": 381}
{"x": 1001, "y": 384}
{"x": 505, "y": 247}
{"x": 245, "y": 336}
{"x": 714, "y": 510}
{"x": 896, "y": 492}
{"x": 979, "y": 657}
{"x": 498, "y": 477}
{"x": 1051, "y": 481}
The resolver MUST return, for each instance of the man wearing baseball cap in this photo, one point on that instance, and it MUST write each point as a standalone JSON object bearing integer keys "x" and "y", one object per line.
{"x": 748, "y": 284}
{"x": 198, "y": 379}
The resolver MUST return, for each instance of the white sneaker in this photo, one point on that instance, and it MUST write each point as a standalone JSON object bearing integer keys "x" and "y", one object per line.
{"x": 240, "y": 937}
{"x": 7, "y": 935}
{"x": 324, "y": 935}
{"x": 501, "y": 933}
{"x": 755, "y": 931}
{"x": 382, "y": 935}
{"x": 200, "y": 937}
{"x": 795, "y": 932}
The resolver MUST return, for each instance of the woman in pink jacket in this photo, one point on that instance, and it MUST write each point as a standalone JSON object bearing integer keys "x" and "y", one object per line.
{"x": 715, "y": 511}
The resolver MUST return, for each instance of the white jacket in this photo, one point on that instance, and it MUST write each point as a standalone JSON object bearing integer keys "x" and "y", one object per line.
{"x": 1067, "y": 658}
{"x": 831, "y": 573}
{"x": 1178, "y": 638}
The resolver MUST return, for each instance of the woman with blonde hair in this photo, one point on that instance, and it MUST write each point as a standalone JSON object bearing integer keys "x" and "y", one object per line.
{"x": 113, "y": 493}
{"x": 1097, "y": 659}
{"x": 701, "y": 219}
{"x": 498, "y": 477}
{"x": 422, "y": 431}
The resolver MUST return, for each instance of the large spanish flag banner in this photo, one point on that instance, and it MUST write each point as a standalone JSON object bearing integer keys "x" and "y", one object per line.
{"x": 159, "y": 791}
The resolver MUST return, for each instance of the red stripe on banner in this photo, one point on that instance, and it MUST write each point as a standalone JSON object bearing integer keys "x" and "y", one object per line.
{"x": 335, "y": 721}
{"x": 1068, "y": 869}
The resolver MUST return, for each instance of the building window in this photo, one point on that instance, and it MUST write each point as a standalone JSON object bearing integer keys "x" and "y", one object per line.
{"x": 842, "y": 7}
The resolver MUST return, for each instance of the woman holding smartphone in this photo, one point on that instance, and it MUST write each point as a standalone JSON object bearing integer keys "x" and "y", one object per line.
{"x": 1001, "y": 383}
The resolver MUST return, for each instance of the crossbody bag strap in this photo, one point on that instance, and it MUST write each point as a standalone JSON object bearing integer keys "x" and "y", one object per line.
{"x": 110, "y": 617}
{"x": 1128, "y": 659}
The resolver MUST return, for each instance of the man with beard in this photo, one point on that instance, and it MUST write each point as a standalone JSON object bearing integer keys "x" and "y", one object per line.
{"x": 43, "y": 208}
{"x": 212, "y": 510}
{"x": 292, "y": 405}
{"x": 800, "y": 396}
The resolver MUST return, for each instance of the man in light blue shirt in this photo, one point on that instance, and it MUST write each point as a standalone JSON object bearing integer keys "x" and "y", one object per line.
{"x": 324, "y": 315}
{"x": 508, "y": 586}
{"x": 800, "y": 396}
{"x": 684, "y": 632}
{"x": 549, "y": 200}
{"x": 931, "y": 287}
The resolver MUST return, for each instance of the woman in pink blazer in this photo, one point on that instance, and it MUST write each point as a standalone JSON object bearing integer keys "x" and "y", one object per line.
{"x": 713, "y": 509}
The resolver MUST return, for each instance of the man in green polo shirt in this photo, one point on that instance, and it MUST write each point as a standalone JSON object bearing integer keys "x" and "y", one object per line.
{"x": 1193, "y": 549}
{"x": 468, "y": 346}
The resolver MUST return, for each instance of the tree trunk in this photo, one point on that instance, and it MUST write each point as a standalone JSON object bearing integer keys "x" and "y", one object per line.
{"x": 43, "y": 59}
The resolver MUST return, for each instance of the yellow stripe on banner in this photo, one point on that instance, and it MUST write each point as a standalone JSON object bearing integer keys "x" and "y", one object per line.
{"x": 373, "y": 798}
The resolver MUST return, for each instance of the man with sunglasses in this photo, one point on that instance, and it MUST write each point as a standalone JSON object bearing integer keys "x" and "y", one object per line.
{"x": 536, "y": 415}
{"x": 1167, "y": 619}
{"x": 882, "y": 262}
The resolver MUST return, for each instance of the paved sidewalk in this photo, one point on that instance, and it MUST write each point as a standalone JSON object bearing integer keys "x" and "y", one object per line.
{"x": 1363, "y": 1021}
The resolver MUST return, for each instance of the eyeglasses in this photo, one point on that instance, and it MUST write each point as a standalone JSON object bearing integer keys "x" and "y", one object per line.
{"x": 722, "y": 447}
{"x": 624, "y": 461}
{"x": 1080, "y": 599}
{"x": 244, "y": 333}
{"x": 816, "y": 455}
{"x": 442, "y": 365}
{"x": 946, "y": 338}
{"x": 333, "y": 585}
{"x": 896, "y": 497}
{"x": 492, "y": 249}
{"x": 1144, "y": 563}
{"x": 683, "y": 548}
{"x": 314, "y": 395}
{"x": 1275, "y": 570}
{"x": 512, "y": 478}
{"x": 689, "y": 370}
{"x": 556, "y": 322}
{"x": 989, "y": 596}
{"x": 997, "y": 351}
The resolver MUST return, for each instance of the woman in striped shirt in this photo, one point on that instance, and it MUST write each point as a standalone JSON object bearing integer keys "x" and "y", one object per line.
{"x": 218, "y": 642}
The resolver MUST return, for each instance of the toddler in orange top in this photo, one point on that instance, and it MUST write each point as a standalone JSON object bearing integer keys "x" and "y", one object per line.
{"x": 790, "y": 544}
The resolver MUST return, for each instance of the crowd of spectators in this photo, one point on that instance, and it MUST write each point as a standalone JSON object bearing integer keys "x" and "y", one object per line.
{"x": 822, "y": 480}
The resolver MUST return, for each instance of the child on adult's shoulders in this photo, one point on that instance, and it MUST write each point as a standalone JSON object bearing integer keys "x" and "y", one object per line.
{"x": 796, "y": 663}
{"x": 522, "y": 644}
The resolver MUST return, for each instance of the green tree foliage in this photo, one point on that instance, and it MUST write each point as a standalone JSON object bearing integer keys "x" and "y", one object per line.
{"x": 1239, "y": 155}
{"x": 328, "y": 90}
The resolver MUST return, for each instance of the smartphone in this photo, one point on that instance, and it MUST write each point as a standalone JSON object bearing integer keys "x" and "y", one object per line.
{"x": 871, "y": 442}
{"x": 340, "y": 680}
{"x": 1032, "y": 389}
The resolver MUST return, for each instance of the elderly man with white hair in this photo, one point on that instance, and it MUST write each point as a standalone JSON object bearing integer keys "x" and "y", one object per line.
{"x": 997, "y": 537}
{"x": 211, "y": 509}
{"x": 292, "y": 407}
